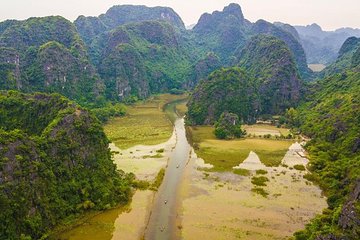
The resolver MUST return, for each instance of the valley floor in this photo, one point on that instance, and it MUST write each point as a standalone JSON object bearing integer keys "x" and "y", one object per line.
{"x": 221, "y": 196}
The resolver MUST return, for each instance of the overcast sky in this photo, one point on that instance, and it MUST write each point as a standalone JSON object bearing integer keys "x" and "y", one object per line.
{"x": 330, "y": 14}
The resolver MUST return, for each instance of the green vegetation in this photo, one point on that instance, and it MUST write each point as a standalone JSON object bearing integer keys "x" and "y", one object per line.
{"x": 225, "y": 155}
{"x": 242, "y": 172}
{"x": 109, "y": 111}
{"x": 260, "y": 191}
{"x": 48, "y": 55}
{"x": 259, "y": 181}
{"x": 346, "y": 59}
{"x": 269, "y": 61}
{"x": 141, "y": 184}
{"x": 228, "y": 127}
{"x": 150, "y": 55}
{"x": 273, "y": 157}
{"x": 331, "y": 118}
{"x": 55, "y": 164}
{"x": 158, "y": 155}
{"x": 144, "y": 123}
{"x": 226, "y": 32}
{"x": 223, "y": 91}
{"x": 158, "y": 180}
{"x": 261, "y": 172}
{"x": 267, "y": 84}
{"x": 299, "y": 167}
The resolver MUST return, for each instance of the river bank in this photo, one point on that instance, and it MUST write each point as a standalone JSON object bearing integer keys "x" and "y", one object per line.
{"x": 215, "y": 197}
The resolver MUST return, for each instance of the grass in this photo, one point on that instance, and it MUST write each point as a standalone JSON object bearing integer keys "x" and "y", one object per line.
{"x": 264, "y": 129}
{"x": 158, "y": 155}
{"x": 225, "y": 154}
{"x": 259, "y": 181}
{"x": 181, "y": 109}
{"x": 241, "y": 172}
{"x": 299, "y": 167}
{"x": 261, "y": 172}
{"x": 145, "y": 123}
{"x": 141, "y": 184}
{"x": 260, "y": 191}
{"x": 158, "y": 180}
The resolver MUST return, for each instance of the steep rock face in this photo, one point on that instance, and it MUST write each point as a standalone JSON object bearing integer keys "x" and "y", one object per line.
{"x": 142, "y": 58}
{"x": 272, "y": 65}
{"x": 125, "y": 73}
{"x": 9, "y": 69}
{"x": 231, "y": 15}
{"x": 47, "y": 54}
{"x": 347, "y": 58}
{"x": 349, "y": 46}
{"x": 355, "y": 59}
{"x": 222, "y": 32}
{"x": 350, "y": 215}
{"x": 6, "y": 24}
{"x": 203, "y": 68}
{"x": 331, "y": 118}
{"x": 54, "y": 162}
{"x": 122, "y": 14}
{"x": 288, "y": 28}
{"x": 226, "y": 32}
{"x": 263, "y": 27}
{"x": 323, "y": 46}
{"x": 269, "y": 79}
{"x": 90, "y": 27}
{"x": 38, "y": 31}
{"x": 229, "y": 89}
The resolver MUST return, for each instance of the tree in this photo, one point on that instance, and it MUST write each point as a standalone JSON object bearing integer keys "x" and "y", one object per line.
{"x": 228, "y": 126}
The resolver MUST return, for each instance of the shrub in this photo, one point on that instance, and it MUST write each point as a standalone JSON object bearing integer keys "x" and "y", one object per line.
{"x": 259, "y": 181}
{"x": 242, "y": 172}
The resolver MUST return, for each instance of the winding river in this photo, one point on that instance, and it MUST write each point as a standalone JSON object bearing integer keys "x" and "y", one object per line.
{"x": 192, "y": 204}
{"x": 163, "y": 216}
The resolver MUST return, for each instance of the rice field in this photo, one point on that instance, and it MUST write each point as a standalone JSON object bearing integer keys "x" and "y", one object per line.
{"x": 226, "y": 154}
{"x": 145, "y": 123}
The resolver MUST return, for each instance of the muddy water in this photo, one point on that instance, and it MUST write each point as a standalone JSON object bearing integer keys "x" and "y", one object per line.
{"x": 162, "y": 222}
{"x": 223, "y": 205}
{"x": 193, "y": 204}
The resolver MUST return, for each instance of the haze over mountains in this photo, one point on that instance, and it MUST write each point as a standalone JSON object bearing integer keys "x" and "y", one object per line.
{"x": 323, "y": 46}
{"x": 121, "y": 53}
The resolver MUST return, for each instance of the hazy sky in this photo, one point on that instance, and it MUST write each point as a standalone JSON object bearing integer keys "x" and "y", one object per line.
{"x": 330, "y": 14}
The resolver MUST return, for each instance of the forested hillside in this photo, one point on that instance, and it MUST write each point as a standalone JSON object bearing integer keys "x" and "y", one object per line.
{"x": 127, "y": 53}
{"x": 54, "y": 163}
{"x": 227, "y": 32}
{"x": 330, "y": 116}
{"x": 47, "y": 54}
{"x": 267, "y": 84}
{"x": 346, "y": 58}
{"x": 138, "y": 59}
{"x": 322, "y": 46}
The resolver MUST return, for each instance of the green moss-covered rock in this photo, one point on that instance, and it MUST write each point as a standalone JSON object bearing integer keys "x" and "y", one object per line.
{"x": 267, "y": 84}
{"x": 54, "y": 163}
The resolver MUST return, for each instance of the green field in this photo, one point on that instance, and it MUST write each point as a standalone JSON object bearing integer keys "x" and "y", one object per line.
{"x": 145, "y": 123}
{"x": 225, "y": 154}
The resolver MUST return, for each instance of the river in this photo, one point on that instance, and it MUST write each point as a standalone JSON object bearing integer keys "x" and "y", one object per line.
{"x": 193, "y": 204}
{"x": 162, "y": 222}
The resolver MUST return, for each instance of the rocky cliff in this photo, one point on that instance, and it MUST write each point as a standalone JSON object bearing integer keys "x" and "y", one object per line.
{"x": 54, "y": 163}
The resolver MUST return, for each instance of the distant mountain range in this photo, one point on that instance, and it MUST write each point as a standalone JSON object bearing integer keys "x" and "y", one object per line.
{"x": 323, "y": 46}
